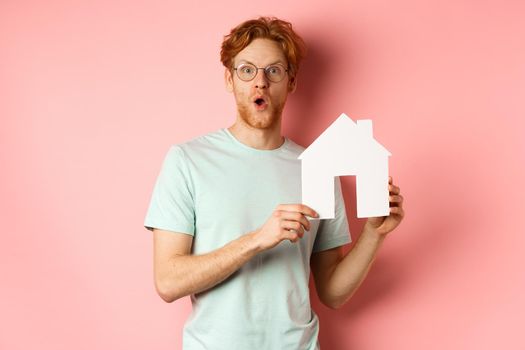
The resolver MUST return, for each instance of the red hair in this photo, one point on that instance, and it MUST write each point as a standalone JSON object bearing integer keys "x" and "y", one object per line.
{"x": 272, "y": 28}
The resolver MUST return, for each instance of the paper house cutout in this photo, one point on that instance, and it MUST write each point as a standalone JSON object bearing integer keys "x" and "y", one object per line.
{"x": 346, "y": 148}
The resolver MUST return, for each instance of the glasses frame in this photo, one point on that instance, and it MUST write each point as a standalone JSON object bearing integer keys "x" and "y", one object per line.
{"x": 236, "y": 69}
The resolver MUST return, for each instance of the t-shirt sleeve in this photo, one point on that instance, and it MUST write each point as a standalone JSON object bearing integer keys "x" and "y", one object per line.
{"x": 333, "y": 232}
{"x": 172, "y": 202}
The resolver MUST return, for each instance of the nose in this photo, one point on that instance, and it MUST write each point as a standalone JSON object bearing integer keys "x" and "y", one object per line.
{"x": 260, "y": 79}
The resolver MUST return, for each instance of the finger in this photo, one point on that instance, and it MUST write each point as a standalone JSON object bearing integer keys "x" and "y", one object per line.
{"x": 395, "y": 200}
{"x": 292, "y": 236}
{"x": 393, "y": 189}
{"x": 301, "y": 208}
{"x": 397, "y": 211}
{"x": 293, "y": 225}
{"x": 295, "y": 216}
{"x": 390, "y": 179}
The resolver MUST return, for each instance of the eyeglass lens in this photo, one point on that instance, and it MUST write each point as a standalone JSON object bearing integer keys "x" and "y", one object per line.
{"x": 274, "y": 73}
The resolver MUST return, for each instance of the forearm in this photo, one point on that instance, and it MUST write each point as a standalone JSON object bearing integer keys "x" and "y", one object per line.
{"x": 188, "y": 274}
{"x": 353, "y": 268}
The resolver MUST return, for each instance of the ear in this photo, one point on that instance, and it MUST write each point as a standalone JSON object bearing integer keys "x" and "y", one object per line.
{"x": 228, "y": 80}
{"x": 292, "y": 84}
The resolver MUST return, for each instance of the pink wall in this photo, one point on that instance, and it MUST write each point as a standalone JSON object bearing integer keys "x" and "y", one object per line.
{"x": 92, "y": 94}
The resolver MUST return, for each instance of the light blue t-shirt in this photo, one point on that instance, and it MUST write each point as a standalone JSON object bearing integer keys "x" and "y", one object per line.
{"x": 217, "y": 189}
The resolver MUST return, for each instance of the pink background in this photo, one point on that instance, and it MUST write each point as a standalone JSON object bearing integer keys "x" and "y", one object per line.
{"x": 93, "y": 93}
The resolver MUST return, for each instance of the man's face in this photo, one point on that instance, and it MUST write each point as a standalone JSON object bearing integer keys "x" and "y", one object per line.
{"x": 261, "y": 53}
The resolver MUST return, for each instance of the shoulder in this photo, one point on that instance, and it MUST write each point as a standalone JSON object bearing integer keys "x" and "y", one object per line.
{"x": 212, "y": 137}
{"x": 294, "y": 148}
{"x": 198, "y": 144}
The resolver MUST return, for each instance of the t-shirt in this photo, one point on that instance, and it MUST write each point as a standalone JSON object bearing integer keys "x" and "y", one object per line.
{"x": 216, "y": 189}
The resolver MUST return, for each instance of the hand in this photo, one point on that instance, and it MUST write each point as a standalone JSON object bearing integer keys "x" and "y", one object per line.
{"x": 288, "y": 221}
{"x": 385, "y": 224}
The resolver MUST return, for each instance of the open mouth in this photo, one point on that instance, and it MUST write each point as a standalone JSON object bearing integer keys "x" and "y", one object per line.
{"x": 260, "y": 103}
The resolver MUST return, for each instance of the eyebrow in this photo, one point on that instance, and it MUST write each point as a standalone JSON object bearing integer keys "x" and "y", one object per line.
{"x": 246, "y": 61}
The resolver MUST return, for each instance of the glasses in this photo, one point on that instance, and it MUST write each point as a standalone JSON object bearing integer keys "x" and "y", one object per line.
{"x": 247, "y": 71}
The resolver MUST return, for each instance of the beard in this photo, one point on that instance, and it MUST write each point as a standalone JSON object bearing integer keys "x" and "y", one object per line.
{"x": 266, "y": 119}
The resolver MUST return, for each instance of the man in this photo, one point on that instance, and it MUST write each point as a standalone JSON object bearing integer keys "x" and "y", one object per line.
{"x": 229, "y": 229}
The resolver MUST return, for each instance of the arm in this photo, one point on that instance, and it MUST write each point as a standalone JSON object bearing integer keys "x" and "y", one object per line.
{"x": 172, "y": 262}
{"x": 337, "y": 277}
{"x": 172, "y": 259}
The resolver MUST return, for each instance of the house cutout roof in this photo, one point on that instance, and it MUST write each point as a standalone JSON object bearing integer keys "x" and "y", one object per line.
{"x": 341, "y": 129}
{"x": 346, "y": 148}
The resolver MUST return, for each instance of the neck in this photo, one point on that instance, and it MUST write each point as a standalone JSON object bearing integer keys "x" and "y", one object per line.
{"x": 263, "y": 139}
